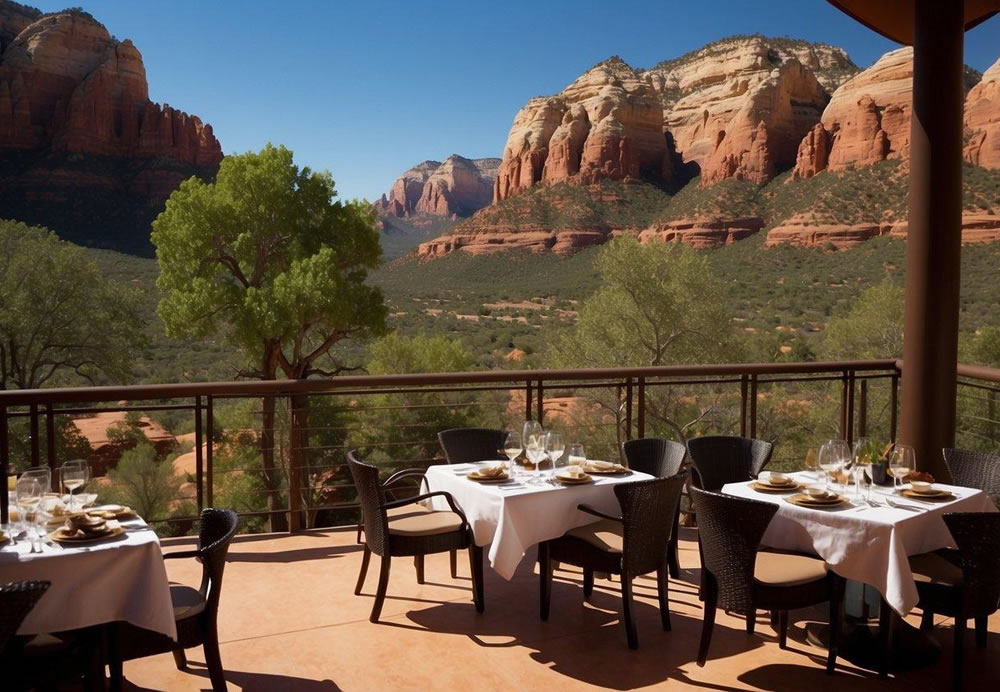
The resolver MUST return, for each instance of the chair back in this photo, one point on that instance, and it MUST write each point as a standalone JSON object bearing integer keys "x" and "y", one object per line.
{"x": 977, "y": 535}
{"x": 974, "y": 470}
{"x": 371, "y": 496}
{"x": 464, "y": 445}
{"x": 17, "y": 598}
{"x": 648, "y": 509}
{"x": 655, "y": 455}
{"x": 729, "y": 531}
{"x": 215, "y": 532}
{"x": 722, "y": 459}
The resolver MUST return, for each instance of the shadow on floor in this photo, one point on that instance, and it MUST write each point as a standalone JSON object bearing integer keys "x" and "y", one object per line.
{"x": 296, "y": 555}
{"x": 251, "y": 682}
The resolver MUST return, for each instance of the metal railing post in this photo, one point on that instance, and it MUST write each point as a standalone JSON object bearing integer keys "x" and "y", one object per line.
{"x": 294, "y": 467}
{"x": 641, "y": 423}
{"x": 527, "y": 400}
{"x": 541, "y": 407}
{"x": 863, "y": 410}
{"x": 199, "y": 470}
{"x": 209, "y": 489}
{"x": 628, "y": 408}
{"x": 744, "y": 381}
{"x": 991, "y": 413}
{"x": 894, "y": 407}
{"x": 4, "y": 465}
{"x": 35, "y": 454}
{"x": 850, "y": 407}
{"x": 50, "y": 440}
{"x": 843, "y": 406}
{"x": 753, "y": 405}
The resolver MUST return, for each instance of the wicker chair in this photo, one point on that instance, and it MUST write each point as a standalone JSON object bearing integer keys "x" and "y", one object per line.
{"x": 963, "y": 583}
{"x": 632, "y": 544}
{"x": 44, "y": 660}
{"x": 741, "y": 579}
{"x": 196, "y": 611}
{"x": 465, "y": 445}
{"x": 416, "y": 532}
{"x": 724, "y": 459}
{"x": 974, "y": 470}
{"x": 661, "y": 458}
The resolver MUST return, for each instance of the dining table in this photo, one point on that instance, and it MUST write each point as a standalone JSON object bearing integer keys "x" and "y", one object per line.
{"x": 119, "y": 579}
{"x": 866, "y": 540}
{"x": 510, "y": 517}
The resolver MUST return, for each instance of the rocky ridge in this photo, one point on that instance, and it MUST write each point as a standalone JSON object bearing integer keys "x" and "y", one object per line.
{"x": 72, "y": 95}
{"x": 457, "y": 187}
{"x": 982, "y": 120}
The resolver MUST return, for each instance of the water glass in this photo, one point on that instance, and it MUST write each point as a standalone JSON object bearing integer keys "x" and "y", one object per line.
{"x": 575, "y": 455}
{"x": 535, "y": 449}
{"x": 901, "y": 462}
{"x": 512, "y": 449}
{"x": 75, "y": 475}
{"x": 812, "y": 462}
{"x": 554, "y": 447}
{"x": 29, "y": 495}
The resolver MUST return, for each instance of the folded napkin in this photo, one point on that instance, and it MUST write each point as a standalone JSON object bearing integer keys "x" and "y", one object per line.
{"x": 492, "y": 472}
{"x": 602, "y": 466}
{"x": 573, "y": 472}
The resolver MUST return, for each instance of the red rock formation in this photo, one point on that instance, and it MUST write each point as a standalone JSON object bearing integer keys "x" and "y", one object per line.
{"x": 813, "y": 154}
{"x": 457, "y": 187}
{"x": 807, "y": 232}
{"x": 982, "y": 120}
{"x": 534, "y": 237}
{"x": 703, "y": 233}
{"x": 67, "y": 85}
{"x": 976, "y": 228}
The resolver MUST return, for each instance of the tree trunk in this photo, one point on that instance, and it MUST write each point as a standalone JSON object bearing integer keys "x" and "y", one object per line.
{"x": 298, "y": 461}
{"x": 272, "y": 480}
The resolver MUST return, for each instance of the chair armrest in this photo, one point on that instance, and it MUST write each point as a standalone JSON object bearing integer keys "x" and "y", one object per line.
{"x": 420, "y": 498}
{"x": 400, "y": 475}
{"x": 597, "y": 513}
{"x": 182, "y": 553}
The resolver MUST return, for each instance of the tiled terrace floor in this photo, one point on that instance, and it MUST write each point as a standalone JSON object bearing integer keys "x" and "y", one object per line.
{"x": 289, "y": 621}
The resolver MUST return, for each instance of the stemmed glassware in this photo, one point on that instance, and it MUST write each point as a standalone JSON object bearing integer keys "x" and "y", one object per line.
{"x": 75, "y": 475}
{"x": 575, "y": 455}
{"x": 812, "y": 462}
{"x": 901, "y": 462}
{"x": 554, "y": 447}
{"x": 861, "y": 466}
{"x": 534, "y": 447}
{"x": 832, "y": 457}
{"x": 29, "y": 496}
{"x": 512, "y": 449}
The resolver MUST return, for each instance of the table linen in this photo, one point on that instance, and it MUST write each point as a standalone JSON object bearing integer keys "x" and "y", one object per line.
{"x": 118, "y": 580}
{"x": 510, "y": 519}
{"x": 864, "y": 543}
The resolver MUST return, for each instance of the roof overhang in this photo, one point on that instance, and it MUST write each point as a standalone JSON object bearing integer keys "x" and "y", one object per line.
{"x": 894, "y": 18}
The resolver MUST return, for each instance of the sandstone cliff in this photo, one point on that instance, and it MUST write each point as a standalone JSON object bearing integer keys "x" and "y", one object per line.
{"x": 457, "y": 187}
{"x": 77, "y": 125}
{"x": 982, "y": 120}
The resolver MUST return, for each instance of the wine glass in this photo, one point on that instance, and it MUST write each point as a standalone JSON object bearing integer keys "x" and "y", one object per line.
{"x": 29, "y": 495}
{"x": 75, "y": 475}
{"x": 554, "y": 447}
{"x": 576, "y": 455}
{"x": 832, "y": 456}
{"x": 40, "y": 473}
{"x": 535, "y": 449}
{"x": 530, "y": 427}
{"x": 812, "y": 462}
{"x": 512, "y": 449}
{"x": 901, "y": 462}
{"x": 860, "y": 459}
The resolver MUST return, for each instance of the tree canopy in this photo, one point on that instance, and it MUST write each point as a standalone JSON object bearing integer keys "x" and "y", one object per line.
{"x": 60, "y": 319}
{"x": 266, "y": 257}
{"x": 872, "y": 328}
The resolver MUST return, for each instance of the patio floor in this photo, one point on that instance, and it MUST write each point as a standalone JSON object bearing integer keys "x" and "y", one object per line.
{"x": 289, "y": 620}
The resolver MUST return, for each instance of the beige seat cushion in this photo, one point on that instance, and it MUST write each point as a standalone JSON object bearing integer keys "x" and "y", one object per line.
{"x": 605, "y": 534}
{"x": 424, "y": 523}
{"x": 932, "y": 568}
{"x": 780, "y": 569}
{"x": 187, "y": 601}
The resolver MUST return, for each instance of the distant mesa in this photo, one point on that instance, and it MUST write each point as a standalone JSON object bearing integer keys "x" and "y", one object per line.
{"x": 457, "y": 188}
{"x": 982, "y": 120}
{"x": 85, "y": 150}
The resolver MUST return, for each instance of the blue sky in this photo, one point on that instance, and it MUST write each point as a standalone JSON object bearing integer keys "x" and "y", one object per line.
{"x": 367, "y": 89}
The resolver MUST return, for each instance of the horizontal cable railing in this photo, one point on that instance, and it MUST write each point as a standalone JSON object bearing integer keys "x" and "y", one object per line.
{"x": 276, "y": 450}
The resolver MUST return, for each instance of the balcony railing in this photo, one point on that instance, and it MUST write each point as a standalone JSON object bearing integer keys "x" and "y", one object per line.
{"x": 297, "y": 476}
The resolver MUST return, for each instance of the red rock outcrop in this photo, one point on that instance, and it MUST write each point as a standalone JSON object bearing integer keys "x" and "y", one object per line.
{"x": 457, "y": 187}
{"x": 976, "y": 228}
{"x": 982, "y": 120}
{"x": 606, "y": 124}
{"x": 703, "y": 233}
{"x": 800, "y": 231}
{"x": 77, "y": 127}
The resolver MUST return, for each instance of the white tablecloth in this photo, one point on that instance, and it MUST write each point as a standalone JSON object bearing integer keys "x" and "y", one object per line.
{"x": 119, "y": 580}
{"x": 867, "y": 544}
{"x": 512, "y": 519}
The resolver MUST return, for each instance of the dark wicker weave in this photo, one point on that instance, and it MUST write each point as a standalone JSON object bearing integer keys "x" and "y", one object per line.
{"x": 196, "y": 610}
{"x": 380, "y": 540}
{"x": 661, "y": 458}
{"x": 465, "y": 445}
{"x": 16, "y": 601}
{"x": 730, "y": 531}
{"x": 648, "y": 508}
{"x": 724, "y": 459}
{"x": 974, "y": 470}
{"x": 972, "y": 593}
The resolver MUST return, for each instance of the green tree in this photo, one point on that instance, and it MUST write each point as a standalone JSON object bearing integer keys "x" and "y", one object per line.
{"x": 872, "y": 328}
{"x": 143, "y": 482}
{"x": 659, "y": 304}
{"x": 267, "y": 258}
{"x": 61, "y": 320}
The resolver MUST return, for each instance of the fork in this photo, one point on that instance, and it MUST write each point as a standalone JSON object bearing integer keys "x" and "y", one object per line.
{"x": 897, "y": 505}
